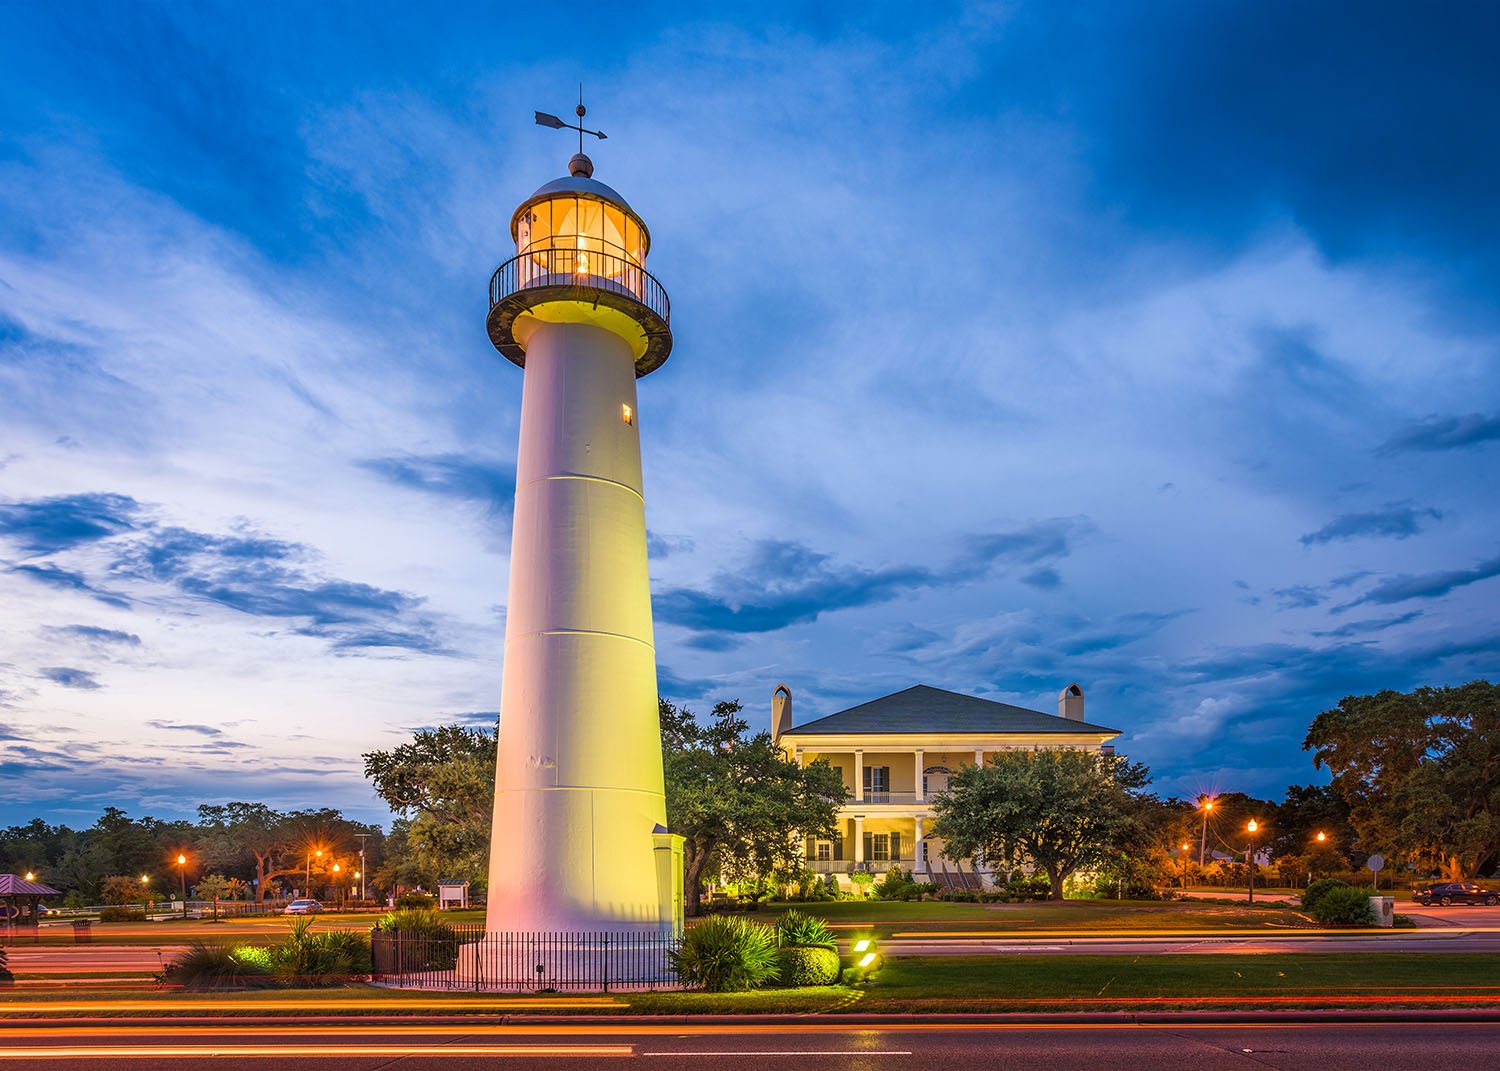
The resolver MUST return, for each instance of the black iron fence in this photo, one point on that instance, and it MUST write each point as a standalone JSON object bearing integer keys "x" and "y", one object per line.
{"x": 470, "y": 958}
{"x": 587, "y": 268}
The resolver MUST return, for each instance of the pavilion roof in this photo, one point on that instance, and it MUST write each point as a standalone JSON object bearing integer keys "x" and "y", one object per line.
{"x": 15, "y": 885}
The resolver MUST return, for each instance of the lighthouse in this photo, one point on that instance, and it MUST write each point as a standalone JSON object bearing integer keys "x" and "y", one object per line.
{"x": 579, "y": 841}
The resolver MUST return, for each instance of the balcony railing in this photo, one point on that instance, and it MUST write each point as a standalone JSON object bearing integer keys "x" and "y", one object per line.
{"x": 849, "y": 866}
{"x": 889, "y": 797}
{"x": 585, "y": 268}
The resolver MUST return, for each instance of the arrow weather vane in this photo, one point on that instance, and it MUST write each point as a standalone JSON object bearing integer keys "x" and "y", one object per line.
{"x": 544, "y": 119}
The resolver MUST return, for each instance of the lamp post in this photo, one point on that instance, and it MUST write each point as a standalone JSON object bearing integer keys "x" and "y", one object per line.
{"x": 1207, "y": 805}
{"x": 359, "y": 876}
{"x": 1321, "y": 838}
{"x": 145, "y": 903}
{"x": 1186, "y": 848}
{"x": 1250, "y": 856}
{"x": 338, "y": 881}
{"x": 182, "y": 880}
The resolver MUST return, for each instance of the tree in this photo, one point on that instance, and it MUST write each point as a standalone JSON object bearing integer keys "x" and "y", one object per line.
{"x": 444, "y": 780}
{"x": 275, "y": 844}
{"x": 121, "y": 889}
{"x": 743, "y": 809}
{"x": 1420, "y": 772}
{"x": 1061, "y": 809}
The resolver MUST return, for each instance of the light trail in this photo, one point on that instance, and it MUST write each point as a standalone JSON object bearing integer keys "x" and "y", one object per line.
{"x": 199, "y": 1052}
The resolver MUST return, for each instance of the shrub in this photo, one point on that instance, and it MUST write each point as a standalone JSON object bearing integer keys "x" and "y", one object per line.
{"x": 1318, "y": 889}
{"x": 1345, "y": 906}
{"x": 416, "y": 940}
{"x": 862, "y": 879}
{"x": 796, "y": 930}
{"x": 213, "y": 966}
{"x": 831, "y": 886}
{"x": 725, "y": 954}
{"x": 416, "y": 901}
{"x": 808, "y": 966}
{"x": 319, "y": 959}
{"x": 121, "y": 914}
{"x": 896, "y": 885}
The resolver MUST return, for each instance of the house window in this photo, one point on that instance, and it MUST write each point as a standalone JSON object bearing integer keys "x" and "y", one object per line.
{"x": 825, "y": 851}
{"x": 878, "y": 784}
{"x": 880, "y": 847}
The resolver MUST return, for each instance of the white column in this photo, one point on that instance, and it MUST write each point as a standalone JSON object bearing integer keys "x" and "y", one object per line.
{"x": 859, "y": 839}
{"x": 797, "y": 754}
{"x": 918, "y": 865}
{"x": 917, "y": 785}
{"x": 578, "y": 790}
{"x": 978, "y": 756}
{"x": 859, "y": 776}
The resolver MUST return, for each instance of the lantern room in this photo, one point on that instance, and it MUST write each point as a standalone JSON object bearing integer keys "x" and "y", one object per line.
{"x": 580, "y": 257}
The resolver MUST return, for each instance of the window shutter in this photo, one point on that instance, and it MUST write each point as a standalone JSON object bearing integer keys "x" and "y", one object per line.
{"x": 869, "y": 772}
{"x": 838, "y": 847}
{"x": 869, "y": 846}
{"x": 895, "y": 846}
{"x": 812, "y": 848}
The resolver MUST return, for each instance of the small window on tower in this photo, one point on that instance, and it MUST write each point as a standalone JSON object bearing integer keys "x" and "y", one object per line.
{"x": 627, "y": 414}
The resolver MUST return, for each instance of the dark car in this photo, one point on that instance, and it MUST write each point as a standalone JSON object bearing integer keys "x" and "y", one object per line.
{"x": 1455, "y": 892}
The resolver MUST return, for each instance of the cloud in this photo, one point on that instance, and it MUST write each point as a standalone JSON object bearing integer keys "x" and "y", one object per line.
{"x": 1424, "y": 585}
{"x": 70, "y": 678}
{"x": 1044, "y": 579}
{"x": 47, "y": 525}
{"x": 1394, "y": 521}
{"x": 1363, "y": 628}
{"x": 488, "y": 483}
{"x": 786, "y": 583}
{"x": 1446, "y": 433}
{"x": 95, "y": 634}
{"x": 660, "y": 546}
{"x": 1298, "y": 597}
{"x": 202, "y": 730}
{"x": 57, "y": 577}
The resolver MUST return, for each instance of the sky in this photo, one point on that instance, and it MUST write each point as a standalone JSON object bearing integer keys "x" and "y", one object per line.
{"x": 1147, "y": 346}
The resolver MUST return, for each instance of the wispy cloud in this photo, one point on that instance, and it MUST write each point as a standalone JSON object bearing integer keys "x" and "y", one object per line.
{"x": 491, "y": 484}
{"x": 1446, "y": 433}
{"x": 96, "y": 634}
{"x": 1424, "y": 585}
{"x": 1395, "y": 521}
{"x": 47, "y": 525}
{"x": 69, "y": 677}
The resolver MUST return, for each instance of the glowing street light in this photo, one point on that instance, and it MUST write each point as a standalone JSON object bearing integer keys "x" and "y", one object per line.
{"x": 1186, "y": 848}
{"x": 30, "y": 876}
{"x": 1250, "y": 856}
{"x": 182, "y": 880}
{"x": 1206, "y": 804}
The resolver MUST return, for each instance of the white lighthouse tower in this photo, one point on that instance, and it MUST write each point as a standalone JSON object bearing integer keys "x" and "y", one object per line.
{"x": 579, "y": 840}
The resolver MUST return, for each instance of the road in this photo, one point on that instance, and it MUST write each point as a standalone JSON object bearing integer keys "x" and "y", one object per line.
{"x": 1201, "y": 1046}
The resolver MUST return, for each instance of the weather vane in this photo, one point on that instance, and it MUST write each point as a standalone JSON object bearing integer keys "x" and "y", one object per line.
{"x": 544, "y": 119}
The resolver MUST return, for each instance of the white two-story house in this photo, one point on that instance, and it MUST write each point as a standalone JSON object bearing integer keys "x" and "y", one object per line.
{"x": 897, "y": 753}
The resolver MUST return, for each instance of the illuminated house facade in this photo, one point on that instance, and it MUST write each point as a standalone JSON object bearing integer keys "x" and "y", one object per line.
{"x": 896, "y": 755}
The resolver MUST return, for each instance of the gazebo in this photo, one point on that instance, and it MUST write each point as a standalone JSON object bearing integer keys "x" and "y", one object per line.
{"x": 19, "y": 900}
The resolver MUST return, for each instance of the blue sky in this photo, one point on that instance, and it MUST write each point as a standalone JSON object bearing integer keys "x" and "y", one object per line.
{"x": 1148, "y": 346}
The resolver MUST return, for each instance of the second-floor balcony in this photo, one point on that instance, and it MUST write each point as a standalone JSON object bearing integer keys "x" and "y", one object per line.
{"x": 877, "y": 796}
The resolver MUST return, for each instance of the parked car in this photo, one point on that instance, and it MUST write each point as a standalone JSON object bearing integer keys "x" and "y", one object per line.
{"x": 1455, "y": 892}
{"x": 303, "y": 907}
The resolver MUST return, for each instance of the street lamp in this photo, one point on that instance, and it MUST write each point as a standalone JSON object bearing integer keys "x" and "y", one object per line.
{"x": 182, "y": 880}
{"x": 340, "y": 885}
{"x": 1250, "y": 856}
{"x": 1207, "y": 805}
{"x": 1185, "y": 849}
{"x": 359, "y": 875}
{"x": 30, "y": 876}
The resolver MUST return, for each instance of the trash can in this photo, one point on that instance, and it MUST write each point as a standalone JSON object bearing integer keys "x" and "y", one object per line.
{"x": 83, "y": 931}
{"x": 1384, "y": 910}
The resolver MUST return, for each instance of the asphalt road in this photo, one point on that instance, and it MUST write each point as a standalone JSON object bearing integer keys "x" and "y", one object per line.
{"x": 1385, "y": 941}
{"x": 1201, "y": 1046}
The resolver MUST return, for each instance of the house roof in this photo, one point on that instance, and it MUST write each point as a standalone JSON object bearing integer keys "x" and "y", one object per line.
{"x": 15, "y": 885}
{"x": 923, "y": 709}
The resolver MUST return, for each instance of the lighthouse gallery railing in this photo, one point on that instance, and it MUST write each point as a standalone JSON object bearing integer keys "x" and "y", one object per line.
{"x": 588, "y": 269}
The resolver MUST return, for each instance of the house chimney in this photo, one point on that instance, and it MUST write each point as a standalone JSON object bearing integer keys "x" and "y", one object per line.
{"x": 781, "y": 711}
{"x": 1070, "y": 703}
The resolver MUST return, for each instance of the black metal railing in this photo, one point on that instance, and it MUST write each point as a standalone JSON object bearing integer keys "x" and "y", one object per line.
{"x": 534, "y": 962}
{"x": 588, "y": 268}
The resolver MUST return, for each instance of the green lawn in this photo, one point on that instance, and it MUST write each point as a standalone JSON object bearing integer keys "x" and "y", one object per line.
{"x": 905, "y": 985}
{"x": 886, "y": 917}
{"x": 973, "y": 983}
